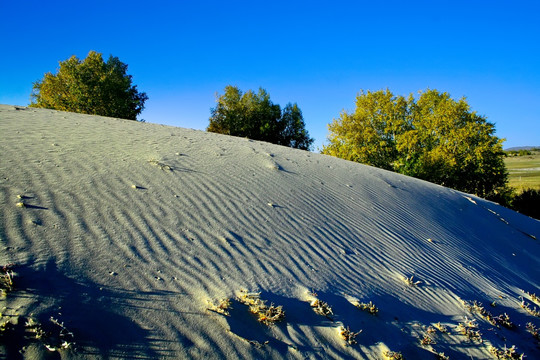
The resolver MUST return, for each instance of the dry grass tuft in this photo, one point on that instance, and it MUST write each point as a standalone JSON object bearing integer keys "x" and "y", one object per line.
{"x": 478, "y": 308}
{"x": 6, "y": 278}
{"x": 506, "y": 353}
{"x": 267, "y": 315}
{"x": 393, "y": 355}
{"x": 469, "y": 329}
{"x": 442, "y": 356}
{"x": 410, "y": 281}
{"x": 527, "y": 307}
{"x": 58, "y": 338}
{"x": 347, "y": 335}
{"x": 533, "y": 330}
{"x": 427, "y": 340}
{"x": 322, "y": 308}
{"x": 533, "y": 297}
{"x": 221, "y": 306}
{"x": 369, "y": 307}
{"x": 442, "y": 328}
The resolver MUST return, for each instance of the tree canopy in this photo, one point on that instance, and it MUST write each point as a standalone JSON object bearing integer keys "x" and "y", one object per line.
{"x": 434, "y": 138}
{"x": 253, "y": 115}
{"x": 90, "y": 86}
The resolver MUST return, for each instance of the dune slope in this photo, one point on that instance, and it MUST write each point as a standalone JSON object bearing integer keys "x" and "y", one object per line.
{"x": 126, "y": 232}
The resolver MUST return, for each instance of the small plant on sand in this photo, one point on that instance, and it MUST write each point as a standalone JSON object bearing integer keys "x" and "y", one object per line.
{"x": 221, "y": 306}
{"x": 321, "y": 307}
{"x": 506, "y": 353}
{"x": 410, "y": 281}
{"x": 442, "y": 328}
{"x": 160, "y": 165}
{"x": 442, "y": 356}
{"x": 533, "y": 330}
{"x": 527, "y": 307}
{"x": 478, "y": 308}
{"x": 392, "y": 355}
{"x": 533, "y": 297}
{"x": 347, "y": 335}
{"x": 35, "y": 328}
{"x": 7, "y": 323}
{"x": 61, "y": 338}
{"x": 369, "y": 307}
{"x": 58, "y": 338}
{"x": 257, "y": 344}
{"x": 504, "y": 320}
{"x": 267, "y": 315}
{"x": 426, "y": 340}
{"x": 469, "y": 329}
{"x": 6, "y": 278}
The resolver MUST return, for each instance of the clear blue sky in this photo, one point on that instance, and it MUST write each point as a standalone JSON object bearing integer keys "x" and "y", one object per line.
{"x": 319, "y": 54}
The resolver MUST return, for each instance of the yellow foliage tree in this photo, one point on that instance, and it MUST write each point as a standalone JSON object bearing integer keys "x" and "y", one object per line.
{"x": 434, "y": 138}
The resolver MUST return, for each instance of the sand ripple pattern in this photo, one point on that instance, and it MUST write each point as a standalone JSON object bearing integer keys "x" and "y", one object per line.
{"x": 221, "y": 214}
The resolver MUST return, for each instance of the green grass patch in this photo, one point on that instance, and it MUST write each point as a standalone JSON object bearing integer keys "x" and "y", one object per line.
{"x": 524, "y": 171}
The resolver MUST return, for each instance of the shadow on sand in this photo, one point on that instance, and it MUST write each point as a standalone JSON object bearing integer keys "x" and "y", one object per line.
{"x": 86, "y": 309}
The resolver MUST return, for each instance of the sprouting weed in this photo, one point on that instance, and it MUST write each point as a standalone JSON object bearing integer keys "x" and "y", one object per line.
{"x": 221, "y": 306}
{"x": 271, "y": 314}
{"x": 442, "y": 328}
{"x": 65, "y": 337}
{"x": 468, "y": 329}
{"x": 7, "y": 322}
{"x": 35, "y": 328}
{"x": 369, "y": 307}
{"x": 393, "y": 355}
{"x": 347, "y": 335}
{"x": 506, "y": 353}
{"x": 426, "y": 340}
{"x": 477, "y": 307}
{"x": 527, "y": 307}
{"x": 257, "y": 344}
{"x": 410, "y": 281}
{"x": 267, "y": 315}
{"x": 6, "y": 278}
{"x": 474, "y": 307}
{"x": 322, "y": 308}
{"x": 533, "y": 330}
{"x": 471, "y": 323}
{"x": 533, "y": 297}
{"x": 57, "y": 339}
{"x": 442, "y": 356}
{"x": 504, "y": 320}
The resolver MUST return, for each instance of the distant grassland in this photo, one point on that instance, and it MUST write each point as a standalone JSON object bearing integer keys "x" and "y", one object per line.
{"x": 524, "y": 171}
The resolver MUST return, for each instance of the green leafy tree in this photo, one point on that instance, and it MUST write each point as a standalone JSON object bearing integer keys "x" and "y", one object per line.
{"x": 253, "y": 115}
{"x": 434, "y": 138}
{"x": 90, "y": 86}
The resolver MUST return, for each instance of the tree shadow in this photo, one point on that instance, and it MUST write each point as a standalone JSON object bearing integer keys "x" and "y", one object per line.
{"x": 85, "y": 309}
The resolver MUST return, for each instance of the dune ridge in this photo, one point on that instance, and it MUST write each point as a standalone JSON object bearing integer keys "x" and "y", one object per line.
{"x": 128, "y": 229}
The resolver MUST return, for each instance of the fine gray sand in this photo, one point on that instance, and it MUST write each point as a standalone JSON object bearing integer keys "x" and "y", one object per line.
{"x": 127, "y": 232}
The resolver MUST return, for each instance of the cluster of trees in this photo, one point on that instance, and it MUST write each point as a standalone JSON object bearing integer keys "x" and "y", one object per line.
{"x": 432, "y": 137}
{"x": 253, "y": 115}
{"x": 522, "y": 152}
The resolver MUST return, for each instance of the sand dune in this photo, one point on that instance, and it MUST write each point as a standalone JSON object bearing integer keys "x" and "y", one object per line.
{"x": 124, "y": 231}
